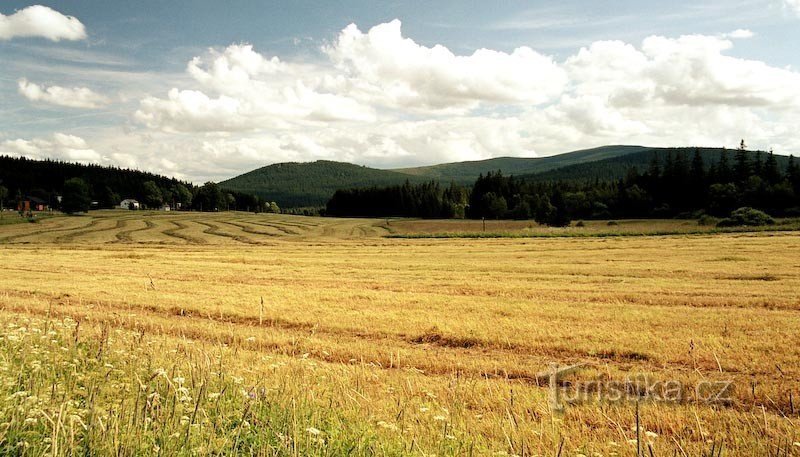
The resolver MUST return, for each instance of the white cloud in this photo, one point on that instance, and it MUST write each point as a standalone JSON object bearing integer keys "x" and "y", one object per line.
{"x": 41, "y": 21}
{"x": 793, "y": 5}
{"x": 741, "y": 34}
{"x": 689, "y": 71}
{"x": 75, "y": 97}
{"x": 381, "y": 99}
{"x": 384, "y": 62}
{"x": 61, "y": 147}
{"x": 249, "y": 92}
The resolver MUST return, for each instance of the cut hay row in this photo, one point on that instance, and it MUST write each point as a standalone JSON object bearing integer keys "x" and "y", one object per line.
{"x": 125, "y": 236}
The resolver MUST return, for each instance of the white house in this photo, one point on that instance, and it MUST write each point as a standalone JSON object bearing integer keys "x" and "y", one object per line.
{"x": 129, "y": 203}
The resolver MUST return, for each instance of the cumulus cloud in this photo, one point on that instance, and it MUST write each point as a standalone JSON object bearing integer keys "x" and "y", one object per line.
{"x": 249, "y": 91}
{"x": 61, "y": 147}
{"x": 382, "y": 99}
{"x": 690, "y": 70}
{"x": 418, "y": 76}
{"x": 741, "y": 34}
{"x": 793, "y": 5}
{"x": 75, "y": 97}
{"x": 41, "y": 21}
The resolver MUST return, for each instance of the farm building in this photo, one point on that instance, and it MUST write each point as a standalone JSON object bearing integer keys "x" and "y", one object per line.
{"x": 32, "y": 204}
{"x": 129, "y": 203}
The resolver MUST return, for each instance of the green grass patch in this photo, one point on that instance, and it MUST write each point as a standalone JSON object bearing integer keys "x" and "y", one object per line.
{"x": 583, "y": 233}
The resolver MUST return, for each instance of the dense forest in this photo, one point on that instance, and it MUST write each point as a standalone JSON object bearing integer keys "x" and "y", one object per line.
{"x": 427, "y": 200}
{"x": 82, "y": 187}
{"x": 676, "y": 183}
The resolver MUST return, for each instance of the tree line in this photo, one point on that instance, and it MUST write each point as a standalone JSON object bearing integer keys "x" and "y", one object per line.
{"x": 75, "y": 187}
{"x": 675, "y": 184}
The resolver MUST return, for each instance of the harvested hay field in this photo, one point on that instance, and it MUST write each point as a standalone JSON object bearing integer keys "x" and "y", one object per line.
{"x": 189, "y": 333}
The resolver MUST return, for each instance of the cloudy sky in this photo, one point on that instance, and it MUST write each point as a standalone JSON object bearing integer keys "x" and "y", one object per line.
{"x": 208, "y": 89}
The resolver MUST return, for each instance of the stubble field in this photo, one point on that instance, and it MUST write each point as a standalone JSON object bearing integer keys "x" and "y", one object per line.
{"x": 134, "y": 333}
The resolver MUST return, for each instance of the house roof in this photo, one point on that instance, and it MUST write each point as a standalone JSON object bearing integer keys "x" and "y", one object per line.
{"x": 37, "y": 200}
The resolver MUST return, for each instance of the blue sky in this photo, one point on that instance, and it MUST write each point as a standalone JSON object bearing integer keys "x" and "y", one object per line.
{"x": 409, "y": 83}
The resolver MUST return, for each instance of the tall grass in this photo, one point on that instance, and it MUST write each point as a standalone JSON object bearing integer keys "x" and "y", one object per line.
{"x": 68, "y": 390}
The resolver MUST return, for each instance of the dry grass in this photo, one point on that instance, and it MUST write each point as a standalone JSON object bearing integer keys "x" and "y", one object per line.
{"x": 392, "y": 346}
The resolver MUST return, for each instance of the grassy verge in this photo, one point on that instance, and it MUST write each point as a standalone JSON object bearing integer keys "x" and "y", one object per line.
{"x": 9, "y": 218}
{"x": 572, "y": 232}
{"x": 69, "y": 390}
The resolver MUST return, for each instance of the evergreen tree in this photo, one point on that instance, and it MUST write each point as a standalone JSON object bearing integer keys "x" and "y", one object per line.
{"x": 698, "y": 171}
{"x": 793, "y": 174}
{"x": 3, "y": 196}
{"x": 724, "y": 168}
{"x": 758, "y": 164}
{"x": 741, "y": 168}
{"x": 771, "y": 173}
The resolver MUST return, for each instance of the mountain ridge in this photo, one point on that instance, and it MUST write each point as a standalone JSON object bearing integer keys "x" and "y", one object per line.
{"x": 297, "y": 184}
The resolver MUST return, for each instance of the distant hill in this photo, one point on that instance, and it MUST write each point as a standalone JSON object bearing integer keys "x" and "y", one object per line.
{"x": 467, "y": 172}
{"x": 296, "y": 184}
{"x": 313, "y": 183}
{"x": 617, "y": 167}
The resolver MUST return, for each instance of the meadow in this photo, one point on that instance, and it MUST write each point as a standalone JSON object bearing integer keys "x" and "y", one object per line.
{"x": 193, "y": 334}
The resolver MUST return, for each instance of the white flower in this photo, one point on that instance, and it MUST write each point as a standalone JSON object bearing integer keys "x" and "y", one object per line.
{"x": 650, "y": 434}
{"x": 313, "y": 431}
{"x": 439, "y": 418}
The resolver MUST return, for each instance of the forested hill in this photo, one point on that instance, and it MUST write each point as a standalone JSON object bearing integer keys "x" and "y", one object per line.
{"x": 45, "y": 179}
{"x": 617, "y": 167}
{"x": 311, "y": 184}
{"x": 468, "y": 172}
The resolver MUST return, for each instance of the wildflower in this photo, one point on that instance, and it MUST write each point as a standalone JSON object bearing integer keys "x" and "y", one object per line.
{"x": 387, "y": 425}
{"x": 424, "y": 409}
{"x": 451, "y": 437}
{"x": 20, "y": 393}
{"x": 439, "y": 418}
{"x": 313, "y": 431}
{"x": 31, "y": 421}
{"x": 213, "y": 395}
{"x": 650, "y": 434}
{"x": 178, "y": 380}
{"x": 250, "y": 339}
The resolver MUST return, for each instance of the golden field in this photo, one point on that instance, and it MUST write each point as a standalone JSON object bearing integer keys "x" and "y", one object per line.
{"x": 183, "y": 333}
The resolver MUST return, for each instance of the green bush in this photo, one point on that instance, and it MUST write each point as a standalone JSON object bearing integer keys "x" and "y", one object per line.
{"x": 747, "y": 217}
{"x": 707, "y": 220}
